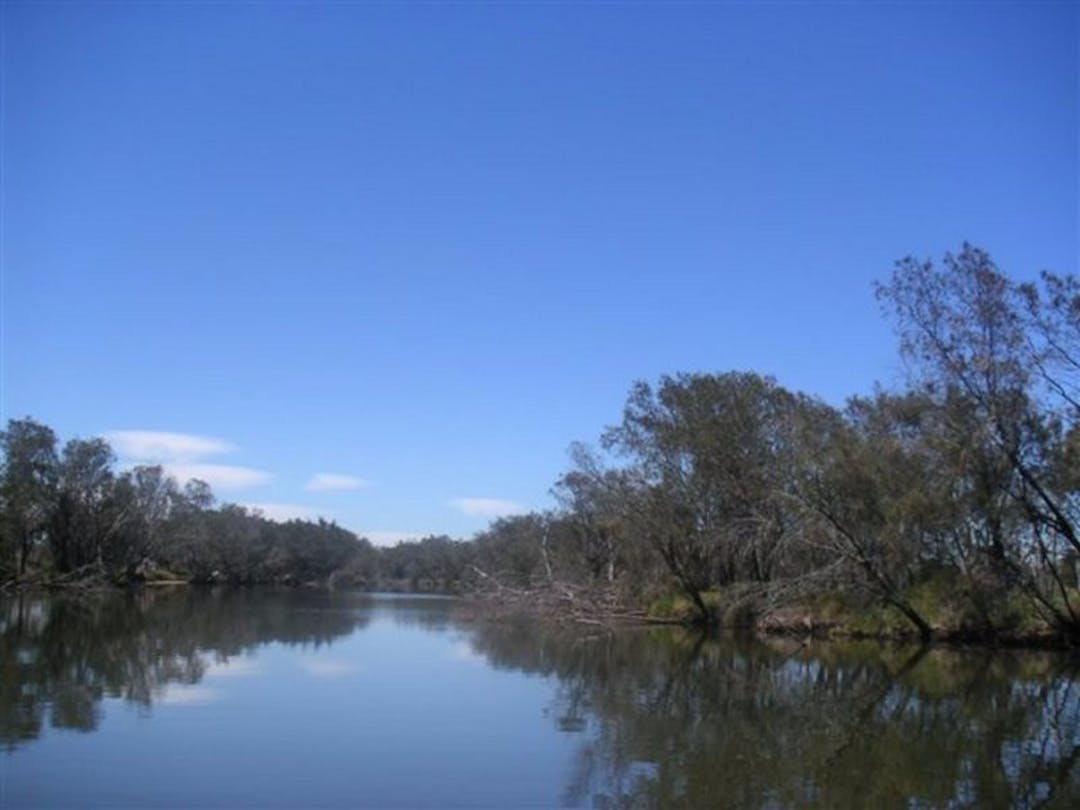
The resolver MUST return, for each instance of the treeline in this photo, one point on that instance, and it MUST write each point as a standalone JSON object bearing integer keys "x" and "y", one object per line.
{"x": 952, "y": 505}
{"x": 68, "y": 516}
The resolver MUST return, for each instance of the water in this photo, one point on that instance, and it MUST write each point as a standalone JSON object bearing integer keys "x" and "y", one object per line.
{"x": 193, "y": 698}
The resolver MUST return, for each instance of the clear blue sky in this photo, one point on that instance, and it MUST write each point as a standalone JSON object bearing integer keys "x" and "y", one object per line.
{"x": 430, "y": 245}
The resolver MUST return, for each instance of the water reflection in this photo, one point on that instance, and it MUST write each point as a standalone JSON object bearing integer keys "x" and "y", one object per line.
{"x": 60, "y": 656}
{"x": 649, "y": 718}
{"x": 671, "y": 719}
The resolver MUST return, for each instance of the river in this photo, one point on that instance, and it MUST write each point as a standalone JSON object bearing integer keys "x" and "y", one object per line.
{"x": 290, "y": 698}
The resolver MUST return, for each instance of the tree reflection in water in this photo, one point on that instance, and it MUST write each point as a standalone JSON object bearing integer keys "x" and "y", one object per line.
{"x": 61, "y": 655}
{"x": 656, "y": 718}
{"x": 673, "y": 719}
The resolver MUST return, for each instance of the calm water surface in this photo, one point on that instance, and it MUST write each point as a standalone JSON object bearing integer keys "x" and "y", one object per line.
{"x": 193, "y": 698}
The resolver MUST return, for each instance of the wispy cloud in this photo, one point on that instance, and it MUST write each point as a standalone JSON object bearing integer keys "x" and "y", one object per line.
{"x": 159, "y": 446}
{"x": 486, "y": 507}
{"x": 324, "y": 482}
{"x": 285, "y": 511}
{"x": 183, "y": 455}
{"x": 219, "y": 476}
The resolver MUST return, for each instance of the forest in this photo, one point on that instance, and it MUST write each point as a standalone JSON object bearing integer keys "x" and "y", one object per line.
{"x": 949, "y": 507}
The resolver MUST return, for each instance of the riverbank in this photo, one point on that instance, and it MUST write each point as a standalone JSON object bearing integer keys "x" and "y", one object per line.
{"x": 94, "y": 577}
{"x": 832, "y": 615}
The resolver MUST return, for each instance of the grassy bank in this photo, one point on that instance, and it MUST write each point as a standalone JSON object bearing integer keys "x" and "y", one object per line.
{"x": 953, "y": 613}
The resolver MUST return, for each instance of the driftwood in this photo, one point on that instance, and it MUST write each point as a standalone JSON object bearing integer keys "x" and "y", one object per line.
{"x": 560, "y": 601}
{"x": 90, "y": 577}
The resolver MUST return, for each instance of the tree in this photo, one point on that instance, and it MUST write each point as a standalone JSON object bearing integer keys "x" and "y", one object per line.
{"x": 147, "y": 497}
{"x": 712, "y": 453}
{"x": 1009, "y": 351}
{"x": 28, "y": 480}
{"x": 863, "y": 474}
{"x": 511, "y": 550}
{"x": 593, "y": 500}
{"x": 86, "y": 516}
{"x": 1052, "y": 311}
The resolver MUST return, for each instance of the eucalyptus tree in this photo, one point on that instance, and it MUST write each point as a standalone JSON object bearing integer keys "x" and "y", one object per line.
{"x": 863, "y": 474}
{"x": 1010, "y": 351}
{"x": 511, "y": 550}
{"x": 1051, "y": 310}
{"x": 147, "y": 496}
{"x": 188, "y": 530}
{"x": 594, "y": 501}
{"x": 1052, "y": 313}
{"x": 86, "y": 516}
{"x": 711, "y": 455}
{"x": 28, "y": 478}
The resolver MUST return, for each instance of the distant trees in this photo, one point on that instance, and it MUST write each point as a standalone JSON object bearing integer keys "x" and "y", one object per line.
{"x": 70, "y": 515}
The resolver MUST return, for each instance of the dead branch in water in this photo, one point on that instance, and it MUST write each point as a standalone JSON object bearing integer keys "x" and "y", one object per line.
{"x": 560, "y": 601}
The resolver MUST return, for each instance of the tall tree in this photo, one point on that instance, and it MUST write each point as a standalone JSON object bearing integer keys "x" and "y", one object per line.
{"x": 28, "y": 479}
{"x": 863, "y": 474}
{"x": 972, "y": 333}
{"x": 86, "y": 515}
{"x": 713, "y": 453}
{"x": 594, "y": 502}
{"x": 147, "y": 497}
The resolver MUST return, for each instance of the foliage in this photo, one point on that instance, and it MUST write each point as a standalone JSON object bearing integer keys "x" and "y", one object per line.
{"x": 79, "y": 519}
{"x": 950, "y": 507}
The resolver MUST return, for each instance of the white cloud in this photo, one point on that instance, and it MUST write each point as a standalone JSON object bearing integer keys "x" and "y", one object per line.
{"x": 486, "y": 507}
{"x": 389, "y": 538}
{"x": 285, "y": 511}
{"x": 219, "y": 476}
{"x": 182, "y": 456}
{"x": 159, "y": 446}
{"x": 332, "y": 481}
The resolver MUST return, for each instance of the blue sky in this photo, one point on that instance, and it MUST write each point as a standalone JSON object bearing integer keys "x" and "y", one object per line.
{"x": 430, "y": 245}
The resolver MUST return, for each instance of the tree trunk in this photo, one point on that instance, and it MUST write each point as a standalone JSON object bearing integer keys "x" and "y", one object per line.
{"x": 544, "y": 555}
{"x": 926, "y": 632}
{"x": 699, "y": 603}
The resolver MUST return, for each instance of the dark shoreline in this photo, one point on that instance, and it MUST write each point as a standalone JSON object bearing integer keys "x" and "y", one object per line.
{"x": 559, "y": 608}
{"x": 773, "y": 625}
